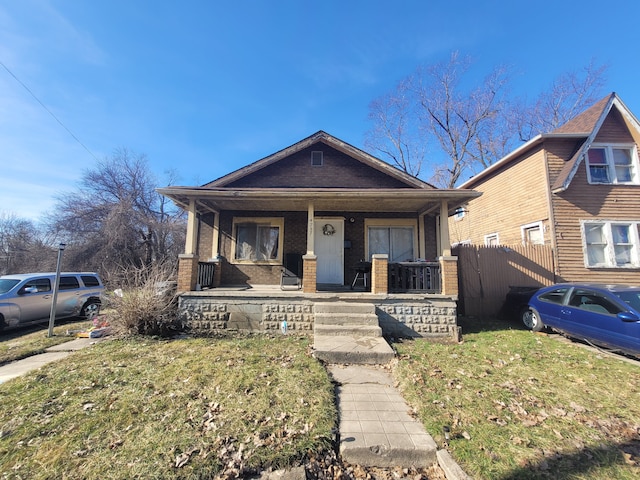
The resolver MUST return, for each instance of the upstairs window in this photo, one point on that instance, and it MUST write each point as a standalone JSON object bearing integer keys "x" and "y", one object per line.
{"x": 612, "y": 164}
{"x": 612, "y": 244}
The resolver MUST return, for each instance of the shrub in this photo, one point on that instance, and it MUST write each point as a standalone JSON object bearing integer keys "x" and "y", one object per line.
{"x": 145, "y": 302}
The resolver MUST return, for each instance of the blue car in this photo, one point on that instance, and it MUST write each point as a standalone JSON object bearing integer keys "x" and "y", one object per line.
{"x": 606, "y": 315}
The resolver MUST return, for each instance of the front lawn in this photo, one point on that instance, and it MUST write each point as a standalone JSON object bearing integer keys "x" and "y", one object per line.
{"x": 183, "y": 409}
{"x": 526, "y": 405}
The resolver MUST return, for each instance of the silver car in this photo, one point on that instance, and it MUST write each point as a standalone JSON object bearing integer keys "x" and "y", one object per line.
{"x": 26, "y": 298}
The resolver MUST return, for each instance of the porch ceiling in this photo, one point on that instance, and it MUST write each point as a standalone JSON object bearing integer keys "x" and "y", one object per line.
{"x": 408, "y": 200}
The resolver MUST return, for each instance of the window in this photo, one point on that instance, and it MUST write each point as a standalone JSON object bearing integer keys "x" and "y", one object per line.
{"x": 611, "y": 244}
{"x": 554, "y": 296}
{"x": 41, "y": 284}
{"x": 396, "y": 238}
{"x": 316, "y": 159}
{"x": 532, "y": 234}
{"x": 593, "y": 302}
{"x": 258, "y": 240}
{"x": 90, "y": 281}
{"x": 491, "y": 240}
{"x": 69, "y": 283}
{"x": 612, "y": 164}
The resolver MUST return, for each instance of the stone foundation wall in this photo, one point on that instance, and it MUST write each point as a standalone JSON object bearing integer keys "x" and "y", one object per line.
{"x": 429, "y": 318}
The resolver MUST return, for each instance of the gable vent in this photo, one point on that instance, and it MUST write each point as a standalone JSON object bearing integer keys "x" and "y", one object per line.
{"x": 316, "y": 159}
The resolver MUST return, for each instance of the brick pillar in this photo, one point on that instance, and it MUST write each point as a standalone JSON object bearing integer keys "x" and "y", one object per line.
{"x": 380, "y": 273}
{"x": 309, "y": 273}
{"x": 187, "y": 272}
{"x": 449, "y": 273}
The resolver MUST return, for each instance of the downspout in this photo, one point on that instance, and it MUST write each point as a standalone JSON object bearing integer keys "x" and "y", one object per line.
{"x": 552, "y": 220}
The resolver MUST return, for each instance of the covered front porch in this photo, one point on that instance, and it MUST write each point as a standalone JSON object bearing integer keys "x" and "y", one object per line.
{"x": 401, "y": 236}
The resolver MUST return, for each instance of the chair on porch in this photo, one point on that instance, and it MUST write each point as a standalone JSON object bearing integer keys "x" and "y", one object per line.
{"x": 291, "y": 278}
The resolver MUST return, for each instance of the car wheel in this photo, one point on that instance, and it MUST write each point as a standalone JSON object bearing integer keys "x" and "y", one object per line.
{"x": 531, "y": 319}
{"x": 90, "y": 310}
{"x": 2, "y": 325}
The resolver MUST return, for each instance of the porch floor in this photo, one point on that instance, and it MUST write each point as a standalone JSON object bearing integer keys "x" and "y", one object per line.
{"x": 324, "y": 292}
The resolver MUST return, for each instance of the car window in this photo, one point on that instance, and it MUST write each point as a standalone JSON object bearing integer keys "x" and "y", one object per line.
{"x": 592, "y": 301}
{"x": 42, "y": 284}
{"x": 554, "y": 296}
{"x": 68, "y": 283}
{"x": 7, "y": 284}
{"x": 90, "y": 281}
{"x": 631, "y": 298}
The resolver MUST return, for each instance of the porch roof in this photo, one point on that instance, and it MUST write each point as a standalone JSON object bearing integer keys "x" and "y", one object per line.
{"x": 419, "y": 201}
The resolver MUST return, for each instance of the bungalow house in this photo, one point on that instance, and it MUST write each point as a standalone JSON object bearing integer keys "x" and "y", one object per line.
{"x": 575, "y": 189}
{"x": 318, "y": 222}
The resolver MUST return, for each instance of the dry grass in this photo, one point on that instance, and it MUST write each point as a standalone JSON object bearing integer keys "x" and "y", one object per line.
{"x": 525, "y": 405}
{"x": 190, "y": 408}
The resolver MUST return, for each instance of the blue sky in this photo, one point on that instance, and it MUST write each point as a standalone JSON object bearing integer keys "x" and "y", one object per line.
{"x": 206, "y": 87}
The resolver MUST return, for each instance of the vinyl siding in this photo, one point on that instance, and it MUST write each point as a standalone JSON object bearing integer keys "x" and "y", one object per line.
{"x": 582, "y": 201}
{"x": 510, "y": 199}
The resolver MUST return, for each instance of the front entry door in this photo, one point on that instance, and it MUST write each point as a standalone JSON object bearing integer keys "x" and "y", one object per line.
{"x": 329, "y": 250}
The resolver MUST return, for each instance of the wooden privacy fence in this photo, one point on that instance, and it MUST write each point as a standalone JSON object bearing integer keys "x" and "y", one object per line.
{"x": 486, "y": 273}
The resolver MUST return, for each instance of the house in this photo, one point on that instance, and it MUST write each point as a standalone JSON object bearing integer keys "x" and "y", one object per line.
{"x": 575, "y": 189}
{"x": 346, "y": 226}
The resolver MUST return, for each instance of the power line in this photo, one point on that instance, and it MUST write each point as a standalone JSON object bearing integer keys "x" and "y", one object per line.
{"x": 49, "y": 111}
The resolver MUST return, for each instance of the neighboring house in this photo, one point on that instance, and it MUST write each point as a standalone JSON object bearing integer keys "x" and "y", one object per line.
{"x": 328, "y": 205}
{"x": 575, "y": 189}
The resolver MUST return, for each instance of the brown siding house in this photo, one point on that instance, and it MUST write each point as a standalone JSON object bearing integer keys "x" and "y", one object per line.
{"x": 576, "y": 189}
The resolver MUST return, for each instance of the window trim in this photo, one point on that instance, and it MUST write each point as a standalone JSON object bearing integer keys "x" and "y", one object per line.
{"x": 530, "y": 226}
{"x": 488, "y": 236}
{"x": 391, "y": 223}
{"x": 611, "y": 168}
{"x": 271, "y": 221}
{"x": 459, "y": 214}
{"x": 609, "y": 245}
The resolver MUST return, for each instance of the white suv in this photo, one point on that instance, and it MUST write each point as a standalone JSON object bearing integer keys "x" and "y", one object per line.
{"x": 26, "y": 298}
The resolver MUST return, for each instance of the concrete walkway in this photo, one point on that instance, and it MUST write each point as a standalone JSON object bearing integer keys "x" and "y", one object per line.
{"x": 57, "y": 352}
{"x": 375, "y": 427}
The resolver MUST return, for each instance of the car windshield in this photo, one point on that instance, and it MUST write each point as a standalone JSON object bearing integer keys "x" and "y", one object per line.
{"x": 7, "y": 284}
{"x": 631, "y": 297}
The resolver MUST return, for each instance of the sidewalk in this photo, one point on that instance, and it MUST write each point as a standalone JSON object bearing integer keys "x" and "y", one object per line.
{"x": 57, "y": 352}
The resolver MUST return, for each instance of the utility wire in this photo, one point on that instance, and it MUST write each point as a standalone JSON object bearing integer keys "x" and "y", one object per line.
{"x": 49, "y": 111}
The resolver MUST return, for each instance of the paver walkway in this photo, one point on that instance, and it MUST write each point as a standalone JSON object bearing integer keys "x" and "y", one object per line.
{"x": 375, "y": 426}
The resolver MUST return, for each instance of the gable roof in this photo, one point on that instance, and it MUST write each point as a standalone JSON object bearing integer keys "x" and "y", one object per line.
{"x": 330, "y": 140}
{"x": 591, "y": 119}
{"x": 584, "y": 127}
{"x": 223, "y": 194}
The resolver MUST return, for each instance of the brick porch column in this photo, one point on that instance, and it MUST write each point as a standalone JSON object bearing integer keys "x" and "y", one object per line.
{"x": 187, "y": 272}
{"x": 309, "y": 273}
{"x": 449, "y": 275}
{"x": 380, "y": 273}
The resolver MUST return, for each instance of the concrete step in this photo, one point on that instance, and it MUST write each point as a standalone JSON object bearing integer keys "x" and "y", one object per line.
{"x": 352, "y": 350}
{"x": 344, "y": 308}
{"x": 346, "y": 319}
{"x": 349, "y": 330}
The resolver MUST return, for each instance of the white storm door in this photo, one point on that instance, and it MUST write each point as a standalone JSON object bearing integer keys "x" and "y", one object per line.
{"x": 329, "y": 250}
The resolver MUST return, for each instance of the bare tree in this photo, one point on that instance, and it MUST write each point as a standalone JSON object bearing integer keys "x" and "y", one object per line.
{"x": 117, "y": 219}
{"x": 462, "y": 121}
{"x": 569, "y": 95}
{"x": 474, "y": 124}
{"x": 23, "y": 248}
{"x": 395, "y": 135}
